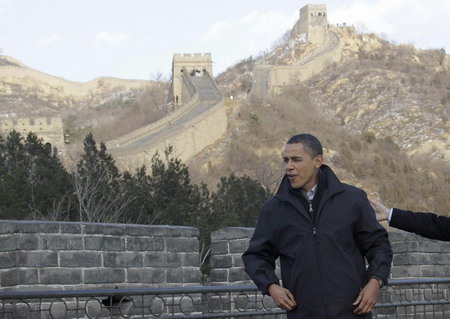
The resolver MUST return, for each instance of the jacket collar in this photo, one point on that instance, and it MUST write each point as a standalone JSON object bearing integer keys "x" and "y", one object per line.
{"x": 333, "y": 186}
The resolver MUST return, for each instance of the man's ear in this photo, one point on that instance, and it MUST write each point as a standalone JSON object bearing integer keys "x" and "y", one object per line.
{"x": 318, "y": 161}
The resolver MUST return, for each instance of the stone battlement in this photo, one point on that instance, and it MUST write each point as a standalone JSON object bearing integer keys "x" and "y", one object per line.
{"x": 194, "y": 56}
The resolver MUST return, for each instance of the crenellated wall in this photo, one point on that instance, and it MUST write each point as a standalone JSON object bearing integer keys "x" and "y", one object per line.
{"x": 64, "y": 255}
{"x": 69, "y": 255}
{"x": 50, "y": 129}
{"x": 414, "y": 256}
{"x": 269, "y": 80}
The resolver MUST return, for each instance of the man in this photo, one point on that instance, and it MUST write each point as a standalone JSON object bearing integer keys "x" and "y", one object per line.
{"x": 424, "y": 224}
{"x": 322, "y": 230}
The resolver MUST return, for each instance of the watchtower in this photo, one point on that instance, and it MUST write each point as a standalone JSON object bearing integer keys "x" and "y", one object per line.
{"x": 195, "y": 64}
{"x": 313, "y": 21}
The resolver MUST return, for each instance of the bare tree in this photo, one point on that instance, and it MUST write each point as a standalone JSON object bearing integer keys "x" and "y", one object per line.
{"x": 97, "y": 204}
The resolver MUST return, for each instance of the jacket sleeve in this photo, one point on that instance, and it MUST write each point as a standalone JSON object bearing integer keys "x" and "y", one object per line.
{"x": 373, "y": 241}
{"x": 424, "y": 224}
{"x": 259, "y": 259}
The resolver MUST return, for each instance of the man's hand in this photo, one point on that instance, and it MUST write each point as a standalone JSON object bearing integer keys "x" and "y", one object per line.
{"x": 367, "y": 298}
{"x": 381, "y": 211}
{"x": 282, "y": 297}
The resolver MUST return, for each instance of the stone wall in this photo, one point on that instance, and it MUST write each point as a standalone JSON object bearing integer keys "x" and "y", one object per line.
{"x": 64, "y": 255}
{"x": 189, "y": 61}
{"x": 269, "y": 80}
{"x": 49, "y": 129}
{"x": 68, "y": 255}
{"x": 57, "y": 85}
{"x": 414, "y": 256}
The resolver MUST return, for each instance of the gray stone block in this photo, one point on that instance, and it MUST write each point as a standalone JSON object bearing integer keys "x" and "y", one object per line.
{"x": 181, "y": 231}
{"x": 8, "y": 243}
{"x": 224, "y": 261}
{"x": 142, "y": 230}
{"x": 439, "y": 259}
{"x": 105, "y": 243}
{"x": 192, "y": 276}
{"x": 104, "y": 275}
{"x": 433, "y": 270}
{"x": 219, "y": 275}
{"x": 239, "y": 246}
{"x": 219, "y": 247}
{"x": 173, "y": 260}
{"x": 405, "y": 246}
{"x": 62, "y": 242}
{"x": 190, "y": 260}
{"x": 398, "y": 272}
{"x": 430, "y": 246}
{"x": 410, "y": 259}
{"x": 232, "y": 233}
{"x": 174, "y": 275}
{"x": 27, "y": 241}
{"x": 8, "y": 259}
{"x": 71, "y": 228}
{"x": 7, "y": 227}
{"x": 104, "y": 229}
{"x": 145, "y": 244}
{"x": 60, "y": 276}
{"x": 146, "y": 276}
{"x": 398, "y": 235}
{"x": 183, "y": 275}
{"x": 238, "y": 274}
{"x": 17, "y": 276}
{"x": 237, "y": 261}
{"x": 155, "y": 259}
{"x": 80, "y": 259}
{"x": 39, "y": 259}
{"x": 123, "y": 259}
{"x": 25, "y": 226}
{"x": 182, "y": 244}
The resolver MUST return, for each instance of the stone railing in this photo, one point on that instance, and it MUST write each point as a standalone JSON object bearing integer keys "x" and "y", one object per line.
{"x": 69, "y": 255}
{"x": 59, "y": 255}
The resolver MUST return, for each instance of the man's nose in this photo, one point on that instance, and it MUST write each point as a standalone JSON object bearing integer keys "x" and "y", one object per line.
{"x": 288, "y": 165}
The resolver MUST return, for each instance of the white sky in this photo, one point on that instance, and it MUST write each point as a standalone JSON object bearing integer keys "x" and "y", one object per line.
{"x": 135, "y": 39}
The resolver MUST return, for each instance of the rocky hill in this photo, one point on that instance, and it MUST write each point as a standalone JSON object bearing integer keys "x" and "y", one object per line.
{"x": 383, "y": 114}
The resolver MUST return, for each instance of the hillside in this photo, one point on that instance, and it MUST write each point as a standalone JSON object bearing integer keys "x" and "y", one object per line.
{"x": 97, "y": 105}
{"x": 382, "y": 115}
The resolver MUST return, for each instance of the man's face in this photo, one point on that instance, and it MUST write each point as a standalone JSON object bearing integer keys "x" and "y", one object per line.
{"x": 301, "y": 168}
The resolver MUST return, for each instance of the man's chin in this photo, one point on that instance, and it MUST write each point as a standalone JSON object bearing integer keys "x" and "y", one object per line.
{"x": 295, "y": 185}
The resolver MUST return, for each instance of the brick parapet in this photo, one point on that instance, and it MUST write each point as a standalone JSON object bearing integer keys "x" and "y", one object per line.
{"x": 414, "y": 256}
{"x": 60, "y": 255}
{"x": 227, "y": 246}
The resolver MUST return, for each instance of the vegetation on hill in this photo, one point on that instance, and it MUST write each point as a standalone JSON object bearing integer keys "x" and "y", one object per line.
{"x": 34, "y": 185}
{"x": 375, "y": 113}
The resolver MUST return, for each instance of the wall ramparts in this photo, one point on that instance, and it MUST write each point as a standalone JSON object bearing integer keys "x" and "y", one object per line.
{"x": 37, "y": 255}
{"x": 269, "y": 80}
{"x": 50, "y": 129}
{"x": 153, "y": 127}
{"x": 414, "y": 256}
{"x": 64, "y": 255}
{"x": 76, "y": 89}
{"x": 187, "y": 140}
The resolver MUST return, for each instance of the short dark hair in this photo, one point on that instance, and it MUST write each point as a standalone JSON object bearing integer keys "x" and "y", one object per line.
{"x": 310, "y": 143}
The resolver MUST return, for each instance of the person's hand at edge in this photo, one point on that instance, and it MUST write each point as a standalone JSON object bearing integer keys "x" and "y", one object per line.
{"x": 282, "y": 297}
{"x": 381, "y": 211}
{"x": 367, "y": 298}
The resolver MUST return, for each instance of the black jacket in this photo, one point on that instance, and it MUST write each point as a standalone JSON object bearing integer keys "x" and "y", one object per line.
{"x": 322, "y": 262}
{"x": 424, "y": 224}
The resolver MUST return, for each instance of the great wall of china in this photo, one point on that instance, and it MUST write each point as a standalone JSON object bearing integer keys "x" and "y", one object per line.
{"x": 200, "y": 118}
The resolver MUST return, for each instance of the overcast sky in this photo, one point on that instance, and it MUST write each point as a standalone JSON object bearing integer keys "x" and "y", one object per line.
{"x": 83, "y": 39}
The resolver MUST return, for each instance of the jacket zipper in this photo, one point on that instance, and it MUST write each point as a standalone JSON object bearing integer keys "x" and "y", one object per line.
{"x": 319, "y": 260}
